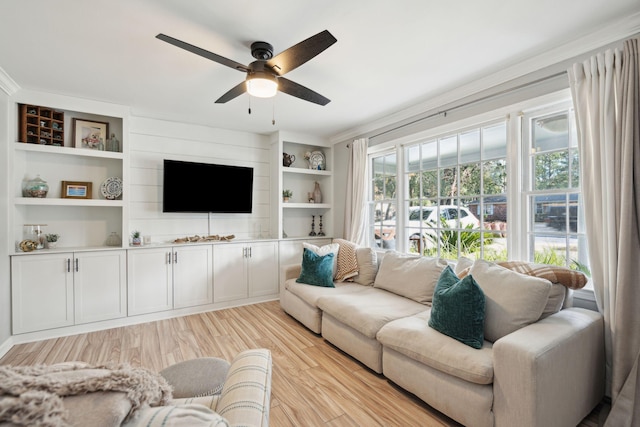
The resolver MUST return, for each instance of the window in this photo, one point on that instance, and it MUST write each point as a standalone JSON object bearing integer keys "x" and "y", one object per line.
{"x": 451, "y": 179}
{"x": 446, "y": 194}
{"x": 383, "y": 209}
{"x": 555, "y": 230}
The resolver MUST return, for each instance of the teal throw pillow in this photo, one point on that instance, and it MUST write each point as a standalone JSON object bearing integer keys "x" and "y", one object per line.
{"x": 458, "y": 308}
{"x": 316, "y": 270}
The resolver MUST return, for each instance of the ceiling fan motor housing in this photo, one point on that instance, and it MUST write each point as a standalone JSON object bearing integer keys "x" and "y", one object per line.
{"x": 261, "y": 50}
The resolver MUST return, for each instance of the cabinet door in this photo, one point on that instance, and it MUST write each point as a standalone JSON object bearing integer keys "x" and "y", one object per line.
{"x": 99, "y": 283}
{"x": 229, "y": 272}
{"x": 150, "y": 287}
{"x": 263, "y": 269}
{"x": 192, "y": 276}
{"x": 41, "y": 292}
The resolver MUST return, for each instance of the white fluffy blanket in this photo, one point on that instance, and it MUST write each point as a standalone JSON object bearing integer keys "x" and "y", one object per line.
{"x": 36, "y": 395}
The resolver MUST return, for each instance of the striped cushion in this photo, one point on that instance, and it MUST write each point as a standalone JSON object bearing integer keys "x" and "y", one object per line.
{"x": 347, "y": 260}
{"x": 178, "y": 415}
{"x": 247, "y": 390}
{"x": 570, "y": 278}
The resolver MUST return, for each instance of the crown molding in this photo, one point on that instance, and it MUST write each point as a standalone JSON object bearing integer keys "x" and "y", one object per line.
{"x": 7, "y": 84}
{"x": 610, "y": 33}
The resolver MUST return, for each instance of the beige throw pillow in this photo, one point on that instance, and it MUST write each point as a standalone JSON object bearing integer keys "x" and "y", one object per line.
{"x": 410, "y": 276}
{"x": 513, "y": 300}
{"x": 367, "y": 266}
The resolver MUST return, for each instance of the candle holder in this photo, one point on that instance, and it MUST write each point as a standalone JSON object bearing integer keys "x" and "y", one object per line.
{"x": 313, "y": 226}
{"x": 320, "y": 233}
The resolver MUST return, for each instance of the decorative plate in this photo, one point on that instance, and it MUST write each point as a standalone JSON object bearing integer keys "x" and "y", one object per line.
{"x": 316, "y": 160}
{"x": 112, "y": 188}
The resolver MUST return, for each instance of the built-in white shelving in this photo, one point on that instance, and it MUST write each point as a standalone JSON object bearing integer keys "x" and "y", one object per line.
{"x": 81, "y": 223}
{"x": 293, "y": 219}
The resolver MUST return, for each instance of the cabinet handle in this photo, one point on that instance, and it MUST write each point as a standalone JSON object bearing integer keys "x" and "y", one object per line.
{"x": 76, "y": 261}
{"x": 168, "y": 254}
{"x": 175, "y": 257}
{"x": 68, "y": 265}
{"x": 249, "y": 252}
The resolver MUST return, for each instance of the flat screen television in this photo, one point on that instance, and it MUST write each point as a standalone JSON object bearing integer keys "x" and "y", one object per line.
{"x": 206, "y": 187}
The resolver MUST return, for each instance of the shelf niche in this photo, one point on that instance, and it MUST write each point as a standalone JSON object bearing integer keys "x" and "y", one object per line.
{"x": 294, "y": 218}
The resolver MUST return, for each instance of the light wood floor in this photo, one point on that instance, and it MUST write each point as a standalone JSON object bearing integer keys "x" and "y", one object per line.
{"x": 314, "y": 383}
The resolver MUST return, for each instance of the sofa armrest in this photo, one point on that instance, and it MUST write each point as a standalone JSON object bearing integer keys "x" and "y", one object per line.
{"x": 550, "y": 373}
{"x": 289, "y": 271}
{"x": 246, "y": 393}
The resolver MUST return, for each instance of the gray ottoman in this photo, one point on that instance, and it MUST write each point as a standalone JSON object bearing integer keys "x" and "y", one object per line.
{"x": 197, "y": 377}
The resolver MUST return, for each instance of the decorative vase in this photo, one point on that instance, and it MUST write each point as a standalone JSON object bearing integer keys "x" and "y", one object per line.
{"x": 51, "y": 245}
{"x": 113, "y": 144}
{"x": 288, "y": 159}
{"x": 317, "y": 194}
{"x": 136, "y": 241}
{"x": 37, "y": 187}
{"x": 35, "y": 233}
{"x": 285, "y": 199}
{"x": 114, "y": 239}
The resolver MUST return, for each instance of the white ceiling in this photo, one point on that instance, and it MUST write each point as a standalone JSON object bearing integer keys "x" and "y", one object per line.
{"x": 390, "y": 55}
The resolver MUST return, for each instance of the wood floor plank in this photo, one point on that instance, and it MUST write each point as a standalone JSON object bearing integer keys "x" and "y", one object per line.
{"x": 313, "y": 383}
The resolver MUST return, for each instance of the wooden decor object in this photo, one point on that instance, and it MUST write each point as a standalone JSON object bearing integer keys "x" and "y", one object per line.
{"x": 41, "y": 125}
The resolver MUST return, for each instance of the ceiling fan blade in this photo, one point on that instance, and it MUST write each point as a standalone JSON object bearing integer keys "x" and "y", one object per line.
{"x": 233, "y": 93}
{"x": 299, "y": 91}
{"x": 204, "y": 53}
{"x": 300, "y": 53}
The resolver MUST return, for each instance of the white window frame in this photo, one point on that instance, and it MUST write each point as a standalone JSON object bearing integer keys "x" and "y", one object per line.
{"x": 518, "y": 211}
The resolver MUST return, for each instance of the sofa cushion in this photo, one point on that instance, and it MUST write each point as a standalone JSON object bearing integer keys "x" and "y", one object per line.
{"x": 331, "y": 248}
{"x": 413, "y": 337}
{"x": 316, "y": 269}
{"x": 512, "y": 300}
{"x": 367, "y": 266}
{"x": 347, "y": 261}
{"x": 311, "y": 294}
{"x": 367, "y": 311}
{"x": 409, "y": 276}
{"x": 556, "y": 298}
{"x": 458, "y": 309}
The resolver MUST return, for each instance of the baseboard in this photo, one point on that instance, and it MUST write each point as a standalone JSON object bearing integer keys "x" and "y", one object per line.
{"x": 6, "y": 346}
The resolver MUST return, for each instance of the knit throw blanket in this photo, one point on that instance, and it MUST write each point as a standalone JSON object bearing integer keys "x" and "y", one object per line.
{"x": 33, "y": 395}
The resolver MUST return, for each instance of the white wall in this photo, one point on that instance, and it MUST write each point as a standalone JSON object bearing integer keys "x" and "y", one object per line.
{"x": 5, "y": 288}
{"x": 151, "y": 141}
{"x": 340, "y": 168}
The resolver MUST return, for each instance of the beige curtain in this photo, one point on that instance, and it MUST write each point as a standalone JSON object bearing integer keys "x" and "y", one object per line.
{"x": 355, "y": 216}
{"x": 606, "y": 95}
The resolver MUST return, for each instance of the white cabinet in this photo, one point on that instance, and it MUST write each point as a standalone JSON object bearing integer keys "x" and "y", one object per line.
{"x": 192, "y": 276}
{"x": 100, "y": 285}
{"x": 245, "y": 270}
{"x": 165, "y": 278}
{"x": 294, "y": 218}
{"x": 62, "y": 289}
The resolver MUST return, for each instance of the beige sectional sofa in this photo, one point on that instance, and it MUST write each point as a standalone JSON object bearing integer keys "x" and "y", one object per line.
{"x": 541, "y": 362}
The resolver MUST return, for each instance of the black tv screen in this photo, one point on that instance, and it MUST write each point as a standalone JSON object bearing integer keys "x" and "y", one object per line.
{"x": 206, "y": 187}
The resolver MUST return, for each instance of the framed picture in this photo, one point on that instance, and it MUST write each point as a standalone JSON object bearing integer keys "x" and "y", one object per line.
{"x": 90, "y": 134}
{"x": 76, "y": 190}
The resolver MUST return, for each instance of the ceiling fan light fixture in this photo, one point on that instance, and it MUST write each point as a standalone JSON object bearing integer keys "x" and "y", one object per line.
{"x": 262, "y": 85}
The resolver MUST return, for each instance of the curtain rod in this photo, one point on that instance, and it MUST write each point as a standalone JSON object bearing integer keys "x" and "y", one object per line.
{"x": 475, "y": 101}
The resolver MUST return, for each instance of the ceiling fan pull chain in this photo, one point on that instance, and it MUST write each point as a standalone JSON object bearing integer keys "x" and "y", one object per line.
{"x": 249, "y": 104}
{"x": 273, "y": 112}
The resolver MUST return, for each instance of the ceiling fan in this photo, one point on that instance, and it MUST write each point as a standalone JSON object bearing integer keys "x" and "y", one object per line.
{"x": 264, "y": 76}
